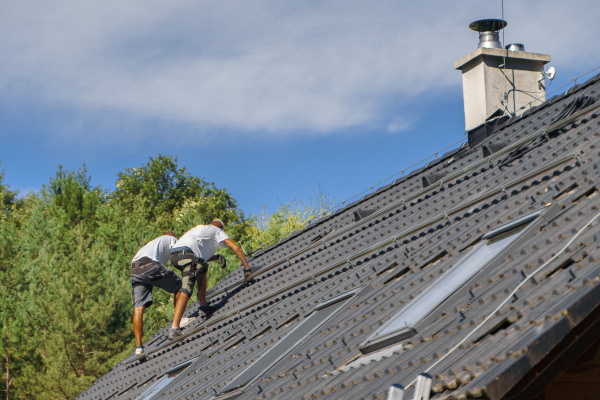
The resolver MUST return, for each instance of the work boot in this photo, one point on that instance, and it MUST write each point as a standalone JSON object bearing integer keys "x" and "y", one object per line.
{"x": 175, "y": 333}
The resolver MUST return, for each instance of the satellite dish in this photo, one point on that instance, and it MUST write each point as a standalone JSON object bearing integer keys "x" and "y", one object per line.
{"x": 551, "y": 73}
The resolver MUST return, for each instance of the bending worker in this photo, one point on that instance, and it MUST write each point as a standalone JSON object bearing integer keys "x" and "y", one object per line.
{"x": 194, "y": 250}
{"x": 148, "y": 270}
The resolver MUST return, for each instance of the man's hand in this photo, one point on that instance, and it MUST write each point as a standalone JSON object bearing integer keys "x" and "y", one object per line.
{"x": 238, "y": 251}
{"x": 247, "y": 275}
{"x": 222, "y": 260}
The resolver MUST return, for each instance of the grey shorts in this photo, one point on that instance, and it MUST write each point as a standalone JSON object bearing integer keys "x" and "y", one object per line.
{"x": 147, "y": 274}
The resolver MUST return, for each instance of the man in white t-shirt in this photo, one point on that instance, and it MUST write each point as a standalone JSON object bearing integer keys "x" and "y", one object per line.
{"x": 148, "y": 270}
{"x": 193, "y": 250}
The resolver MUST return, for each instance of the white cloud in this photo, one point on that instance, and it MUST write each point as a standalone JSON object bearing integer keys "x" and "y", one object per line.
{"x": 262, "y": 66}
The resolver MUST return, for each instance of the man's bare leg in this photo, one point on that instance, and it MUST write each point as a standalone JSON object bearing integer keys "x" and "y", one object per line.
{"x": 138, "y": 324}
{"x": 202, "y": 290}
{"x": 181, "y": 300}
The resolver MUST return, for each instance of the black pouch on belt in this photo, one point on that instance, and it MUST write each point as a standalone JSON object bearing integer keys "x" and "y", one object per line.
{"x": 183, "y": 257}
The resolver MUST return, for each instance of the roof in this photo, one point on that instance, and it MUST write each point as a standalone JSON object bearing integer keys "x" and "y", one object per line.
{"x": 390, "y": 287}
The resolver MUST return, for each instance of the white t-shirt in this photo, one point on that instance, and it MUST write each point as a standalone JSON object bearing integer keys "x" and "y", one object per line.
{"x": 203, "y": 240}
{"x": 158, "y": 249}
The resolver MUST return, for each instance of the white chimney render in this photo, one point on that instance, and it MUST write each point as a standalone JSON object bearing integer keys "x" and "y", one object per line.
{"x": 510, "y": 80}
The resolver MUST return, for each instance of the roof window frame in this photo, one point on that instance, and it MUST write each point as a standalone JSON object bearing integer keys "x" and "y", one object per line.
{"x": 156, "y": 387}
{"x": 521, "y": 228}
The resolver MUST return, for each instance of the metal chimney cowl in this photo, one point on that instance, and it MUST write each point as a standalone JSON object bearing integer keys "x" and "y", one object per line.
{"x": 488, "y": 32}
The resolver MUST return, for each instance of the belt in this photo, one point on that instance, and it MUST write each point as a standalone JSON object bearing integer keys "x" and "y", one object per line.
{"x": 181, "y": 250}
{"x": 142, "y": 262}
{"x": 142, "y": 265}
{"x": 186, "y": 250}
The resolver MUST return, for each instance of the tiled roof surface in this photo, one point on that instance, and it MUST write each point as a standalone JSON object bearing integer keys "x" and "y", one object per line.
{"x": 391, "y": 245}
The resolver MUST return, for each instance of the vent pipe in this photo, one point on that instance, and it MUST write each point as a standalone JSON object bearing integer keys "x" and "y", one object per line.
{"x": 515, "y": 47}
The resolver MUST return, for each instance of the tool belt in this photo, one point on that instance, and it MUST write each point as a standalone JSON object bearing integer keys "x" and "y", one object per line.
{"x": 184, "y": 257}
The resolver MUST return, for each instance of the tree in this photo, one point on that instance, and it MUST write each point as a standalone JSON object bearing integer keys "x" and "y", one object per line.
{"x": 11, "y": 283}
{"x": 71, "y": 193}
{"x": 17, "y": 344}
{"x": 267, "y": 229}
{"x": 161, "y": 184}
{"x": 167, "y": 197}
{"x": 7, "y": 197}
{"x": 71, "y": 295}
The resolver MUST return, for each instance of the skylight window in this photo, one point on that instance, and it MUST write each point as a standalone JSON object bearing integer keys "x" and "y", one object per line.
{"x": 319, "y": 316}
{"x": 403, "y": 325}
{"x": 167, "y": 378}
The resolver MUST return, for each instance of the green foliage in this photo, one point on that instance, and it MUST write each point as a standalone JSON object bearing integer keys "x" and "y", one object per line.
{"x": 65, "y": 253}
{"x": 161, "y": 185}
{"x": 70, "y": 193}
{"x": 7, "y": 198}
{"x": 267, "y": 229}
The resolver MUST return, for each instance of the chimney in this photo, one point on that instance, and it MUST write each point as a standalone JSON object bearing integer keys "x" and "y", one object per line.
{"x": 499, "y": 81}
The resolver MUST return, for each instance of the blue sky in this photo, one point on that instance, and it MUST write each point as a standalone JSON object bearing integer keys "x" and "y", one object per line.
{"x": 269, "y": 100}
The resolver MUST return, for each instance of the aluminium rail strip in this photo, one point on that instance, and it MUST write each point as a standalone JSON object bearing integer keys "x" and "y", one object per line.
{"x": 391, "y": 240}
{"x": 404, "y": 201}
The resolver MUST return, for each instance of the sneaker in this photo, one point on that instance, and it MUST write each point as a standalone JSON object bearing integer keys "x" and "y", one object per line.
{"x": 139, "y": 351}
{"x": 185, "y": 321}
{"x": 175, "y": 334}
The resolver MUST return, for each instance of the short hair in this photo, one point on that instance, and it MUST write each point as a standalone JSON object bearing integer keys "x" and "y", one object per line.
{"x": 169, "y": 233}
{"x": 218, "y": 223}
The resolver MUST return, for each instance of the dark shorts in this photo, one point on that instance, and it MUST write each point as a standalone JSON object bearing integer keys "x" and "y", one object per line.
{"x": 191, "y": 267}
{"x": 145, "y": 274}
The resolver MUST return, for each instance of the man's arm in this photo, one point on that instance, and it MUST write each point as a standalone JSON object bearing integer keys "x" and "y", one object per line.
{"x": 238, "y": 251}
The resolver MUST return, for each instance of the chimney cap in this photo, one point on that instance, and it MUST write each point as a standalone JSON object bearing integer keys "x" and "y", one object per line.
{"x": 488, "y": 25}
